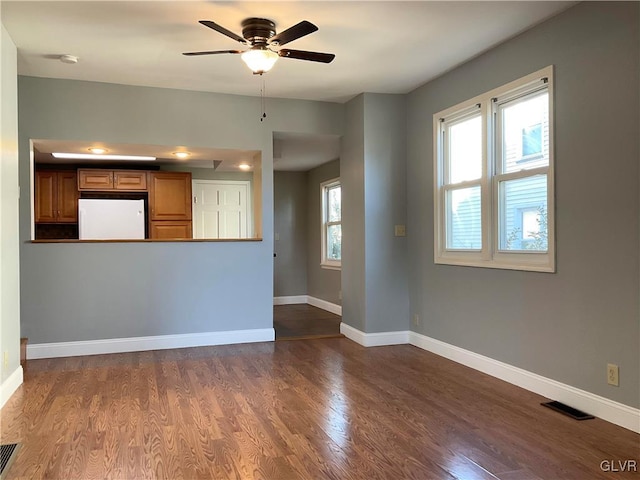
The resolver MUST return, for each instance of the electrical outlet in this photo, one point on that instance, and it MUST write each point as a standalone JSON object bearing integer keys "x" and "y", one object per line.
{"x": 6, "y": 359}
{"x": 400, "y": 230}
{"x": 416, "y": 320}
{"x": 613, "y": 375}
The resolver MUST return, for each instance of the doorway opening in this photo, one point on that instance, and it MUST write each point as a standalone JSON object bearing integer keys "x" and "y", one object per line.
{"x": 307, "y": 289}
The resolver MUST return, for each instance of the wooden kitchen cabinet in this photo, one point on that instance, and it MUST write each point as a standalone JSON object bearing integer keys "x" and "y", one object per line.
{"x": 95, "y": 179}
{"x": 171, "y": 230}
{"x": 100, "y": 180}
{"x": 130, "y": 180}
{"x": 170, "y": 205}
{"x": 170, "y": 195}
{"x": 56, "y": 197}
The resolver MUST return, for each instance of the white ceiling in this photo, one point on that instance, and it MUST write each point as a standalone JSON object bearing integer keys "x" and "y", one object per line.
{"x": 380, "y": 47}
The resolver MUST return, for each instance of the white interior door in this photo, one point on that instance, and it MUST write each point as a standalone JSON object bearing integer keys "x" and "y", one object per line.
{"x": 221, "y": 209}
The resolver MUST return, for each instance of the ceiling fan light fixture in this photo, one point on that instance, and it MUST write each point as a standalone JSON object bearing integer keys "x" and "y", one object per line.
{"x": 260, "y": 60}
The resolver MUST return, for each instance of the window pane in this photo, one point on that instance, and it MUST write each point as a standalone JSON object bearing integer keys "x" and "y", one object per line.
{"x": 464, "y": 231}
{"x": 525, "y": 133}
{"x": 465, "y": 150}
{"x": 523, "y": 214}
{"x": 334, "y": 204}
{"x": 334, "y": 242}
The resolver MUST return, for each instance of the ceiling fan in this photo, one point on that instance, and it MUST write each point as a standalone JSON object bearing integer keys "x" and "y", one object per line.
{"x": 260, "y": 35}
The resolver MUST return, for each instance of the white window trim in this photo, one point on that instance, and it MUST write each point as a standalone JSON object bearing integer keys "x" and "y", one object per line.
{"x": 324, "y": 261}
{"x": 490, "y": 256}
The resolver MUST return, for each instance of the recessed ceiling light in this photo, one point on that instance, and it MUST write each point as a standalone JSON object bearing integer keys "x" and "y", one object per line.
{"x": 244, "y": 166}
{"x": 182, "y": 154}
{"x": 98, "y": 150}
{"x": 89, "y": 156}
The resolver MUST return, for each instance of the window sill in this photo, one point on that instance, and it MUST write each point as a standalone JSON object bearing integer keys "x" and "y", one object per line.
{"x": 330, "y": 267}
{"x": 544, "y": 267}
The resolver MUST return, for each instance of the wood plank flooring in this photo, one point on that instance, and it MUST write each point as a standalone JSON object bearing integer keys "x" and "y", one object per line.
{"x": 321, "y": 409}
{"x": 302, "y": 322}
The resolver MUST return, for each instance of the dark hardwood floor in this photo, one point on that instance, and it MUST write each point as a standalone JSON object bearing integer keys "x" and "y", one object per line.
{"x": 321, "y": 409}
{"x": 302, "y": 322}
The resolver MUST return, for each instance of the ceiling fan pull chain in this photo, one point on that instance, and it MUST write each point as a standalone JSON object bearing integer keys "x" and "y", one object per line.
{"x": 262, "y": 98}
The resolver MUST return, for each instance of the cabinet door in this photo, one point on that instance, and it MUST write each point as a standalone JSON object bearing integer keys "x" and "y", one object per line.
{"x": 67, "y": 190}
{"x": 170, "y": 195}
{"x": 46, "y": 202}
{"x": 95, "y": 179}
{"x": 171, "y": 230}
{"x": 130, "y": 180}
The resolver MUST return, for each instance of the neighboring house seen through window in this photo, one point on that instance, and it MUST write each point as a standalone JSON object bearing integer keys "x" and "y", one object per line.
{"x": 494, "y": 178}
{"x": 331, "y": 224}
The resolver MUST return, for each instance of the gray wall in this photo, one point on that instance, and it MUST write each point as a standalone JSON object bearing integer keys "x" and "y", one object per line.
{"x": 100, "y": 291}
{"x": 566, "y": 326}
{"x": 373, "y": 172}
{"x": 322, "y": 283}
{"x": 353, "y": 215}
{"x": 297, "y": 220}
{"x": 9, "y": 246}
{"x": 290, "y": 226}
{"x": 385, "y": 206}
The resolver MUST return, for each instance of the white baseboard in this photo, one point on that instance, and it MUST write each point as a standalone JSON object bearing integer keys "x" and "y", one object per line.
{"x": 324, "y": 305}
{"x": 374, "y": 339}
{"x": 609, "y": 410}
{"x": 313, "y": 301}
{"x": 614, "y": 412}
{"x": 292, "y": 300}
{"x": 138, "y": 344}
{"x": 10, "y": 385}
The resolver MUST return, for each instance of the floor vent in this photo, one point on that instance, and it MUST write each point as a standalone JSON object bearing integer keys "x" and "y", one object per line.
{"x": 7, "y": 454}
{"x": 567, "y": 410}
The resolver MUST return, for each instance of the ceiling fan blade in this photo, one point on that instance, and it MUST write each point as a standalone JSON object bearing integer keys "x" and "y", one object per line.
{"x": 222, "y": 30}
{"x": 311, "y": 56}
{"x": 213, "y": 52}
{"x": 293, "y": 33}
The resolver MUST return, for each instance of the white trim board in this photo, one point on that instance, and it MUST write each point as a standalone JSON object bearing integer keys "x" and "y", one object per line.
{"x": 604, "y": 408}
{"x": 10, "y": 385}
{"x": 374, "y": 339}
{"x": 309, "y": 300}
{"x": 139, "y": 344}
{"x": 293, "y": 300}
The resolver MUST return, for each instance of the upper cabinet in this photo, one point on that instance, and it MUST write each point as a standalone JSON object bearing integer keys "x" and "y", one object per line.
{"x": 170, "y": 195}
{"x": 100, "y": 180}
{"x": 95, "y": 179}
{"x": 56, "y": 197}
{"x": 130, "y": 180}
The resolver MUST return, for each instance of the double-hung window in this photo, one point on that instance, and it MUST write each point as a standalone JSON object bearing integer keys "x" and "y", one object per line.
{"x": 331, "y": 224}
{"x": 493, "y": 175}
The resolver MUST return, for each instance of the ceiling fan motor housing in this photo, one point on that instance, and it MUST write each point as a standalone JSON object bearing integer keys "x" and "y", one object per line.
{"x": 258, "y": 30}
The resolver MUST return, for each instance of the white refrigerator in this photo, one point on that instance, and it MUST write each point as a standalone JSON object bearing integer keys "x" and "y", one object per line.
{"x": 110, "y": 219}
